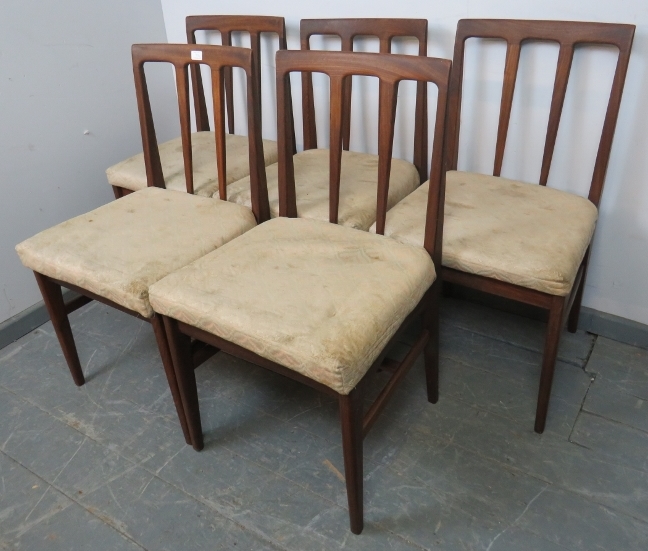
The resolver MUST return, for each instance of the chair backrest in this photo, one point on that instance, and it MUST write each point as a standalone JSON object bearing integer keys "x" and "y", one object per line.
{"x": 348, "y": 29}
{"x": 226, "y": 25}
{"x": 567, "y": 34}
{"x": 181, "y": 56}
{"x": 390, "y": 69}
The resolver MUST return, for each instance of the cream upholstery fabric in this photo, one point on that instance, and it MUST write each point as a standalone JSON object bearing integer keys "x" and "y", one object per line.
{"x": 131, "y": 173}
{"x": 318, "y": 298}
{"x": 521, "y": 233}
{"x": 119, "y": 249}
{"x": 358, "y": 187}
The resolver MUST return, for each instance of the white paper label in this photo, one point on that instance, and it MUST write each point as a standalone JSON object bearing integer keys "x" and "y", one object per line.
{"x": 196, "y": 55}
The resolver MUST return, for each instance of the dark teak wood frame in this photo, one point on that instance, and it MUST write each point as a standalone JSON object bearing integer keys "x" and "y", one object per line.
{"x": 385, "y": 30}
{"x": 568, "y": 35}
{"x": 217, "y": 58}
{"x": 390, "y": 69}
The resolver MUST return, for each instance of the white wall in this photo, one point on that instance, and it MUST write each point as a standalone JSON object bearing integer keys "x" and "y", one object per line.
{"x": 65, "y": 68}
{"x": 617, "y": 282}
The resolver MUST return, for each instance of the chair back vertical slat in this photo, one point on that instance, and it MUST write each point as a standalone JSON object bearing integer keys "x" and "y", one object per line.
{"x": 390, "y": 69}
{"x": 567, "y": 34}
{"x": 433, "y": 239}
{"x": 563, "y": 68}
{"x": 386, "y": 123}
{"x": 347, "y": 29}
{"x": 611, "y": 117}
{"x": 226, "y": 40}
{"x": 182, "y": 87}
{"x": 347, "y": 46}
{"x": 335, "y": 144}
{"x": 219, "y": 90}
{"x": 258, "y": 182}
{"x": 508, "y": 89}
{"x": 308, "y": 101}
{"x": 420, "y": 122}
{"x": 154, "y": 175}
{"x": 200, "y": 105}
{"x": 285, "y": 166}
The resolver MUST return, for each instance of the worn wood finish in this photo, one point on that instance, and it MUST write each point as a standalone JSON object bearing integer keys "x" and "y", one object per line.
{"x": 568, "y": 35}
{"x": 255, "y": 26}
{"x": 390, "y": 69}
{"x": 217, "y": 58}
{"x": 347, "y": 30}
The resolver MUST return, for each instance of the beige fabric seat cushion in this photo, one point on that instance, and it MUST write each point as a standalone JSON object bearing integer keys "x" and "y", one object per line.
{"x": 358, "y": 187}
{"x": 131, "y": 173}
{"x": 525, "y": 234}
{"x": 318, "y": 298}
{"x": 118, "y": 250}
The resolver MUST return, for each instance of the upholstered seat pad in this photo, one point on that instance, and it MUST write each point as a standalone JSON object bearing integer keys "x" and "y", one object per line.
{"x": 119, "y": 249}
{"x": 521, "y": 233}
{"x": 318, "y": 298}
{"x": 358, "y": 186}
{"x": 131, "y": 173}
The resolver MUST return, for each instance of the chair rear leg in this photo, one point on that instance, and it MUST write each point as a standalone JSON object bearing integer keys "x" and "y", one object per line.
{"x": 552, "y": 340}
{"x": 180, "y": 348}
{"x": 165, "y": 354}
{"x": 351, "y": 412}
{"x": 574, "y": 313}
{"x": 53, "y": 298}
{"x": 431, "y": 350}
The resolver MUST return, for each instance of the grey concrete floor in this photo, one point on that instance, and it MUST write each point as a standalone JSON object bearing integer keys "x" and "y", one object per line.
{"x": 105, "y": 467}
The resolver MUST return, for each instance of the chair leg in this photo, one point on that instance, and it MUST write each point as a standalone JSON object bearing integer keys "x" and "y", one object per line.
{"x": 552, "y": 340}
{"x": 574, "y": 313}
{"x": 163, "y": 346}
{"x": 180, "y": 348}
{"x": 431, "y": 351}
{"x": 53, "y": 298}
{"x": 351, "y": 419}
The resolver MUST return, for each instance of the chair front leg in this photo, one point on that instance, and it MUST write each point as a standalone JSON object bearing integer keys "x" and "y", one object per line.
{"x": 552, "y": 340}
{"x": 53, "y": 298}
{"x": 167, "y": 362}
{"x": 180, "y": 348}
{"x": 351, "y": 416}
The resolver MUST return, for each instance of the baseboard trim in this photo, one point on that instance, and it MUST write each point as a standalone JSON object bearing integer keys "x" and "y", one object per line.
{"x": 614, "y": 327}
{"x": 27, "y": 320}
{"x": 590, "y": 320}
{"x": 599, "y": 323}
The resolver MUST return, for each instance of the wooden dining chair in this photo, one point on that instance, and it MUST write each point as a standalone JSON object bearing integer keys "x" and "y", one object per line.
{"x": 521, "y": 241}
{"x": 359, "y": 170}
{"x": 114, "y": 253}
{"x": 318, "y": 302}
{"x": 130, "y": 175}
